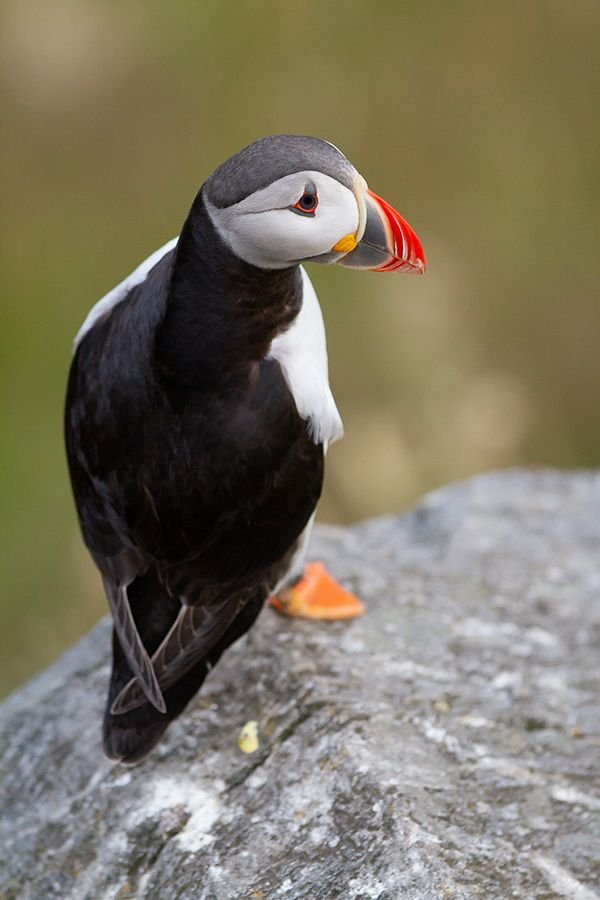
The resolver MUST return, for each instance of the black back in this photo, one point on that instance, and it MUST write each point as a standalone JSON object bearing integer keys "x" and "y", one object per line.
{"x": 187, "y": 455}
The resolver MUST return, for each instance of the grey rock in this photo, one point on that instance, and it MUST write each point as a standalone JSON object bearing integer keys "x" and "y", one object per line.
{"x": 446, "y": 745}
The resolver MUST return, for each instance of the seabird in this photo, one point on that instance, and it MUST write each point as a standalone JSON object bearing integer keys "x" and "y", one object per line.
{"x": 198, "y": 415}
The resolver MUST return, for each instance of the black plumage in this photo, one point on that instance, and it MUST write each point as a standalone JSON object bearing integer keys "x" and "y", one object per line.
{"x": 192, "y": 471}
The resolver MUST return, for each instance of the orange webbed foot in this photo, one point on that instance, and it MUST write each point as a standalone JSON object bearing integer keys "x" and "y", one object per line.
{"x": 317, "y": 596}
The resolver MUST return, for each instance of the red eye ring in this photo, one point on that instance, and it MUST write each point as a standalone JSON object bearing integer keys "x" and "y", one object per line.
{"x": 307, "y": 204}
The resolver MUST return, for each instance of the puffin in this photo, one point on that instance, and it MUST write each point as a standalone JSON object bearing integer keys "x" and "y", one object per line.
{"x": 198, "y": 415}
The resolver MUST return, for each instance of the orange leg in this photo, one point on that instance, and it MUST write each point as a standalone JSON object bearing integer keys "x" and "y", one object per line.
{"x": 317, "y": 596}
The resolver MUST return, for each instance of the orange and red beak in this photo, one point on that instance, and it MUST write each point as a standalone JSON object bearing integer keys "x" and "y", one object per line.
{"x": 387, "y": 244}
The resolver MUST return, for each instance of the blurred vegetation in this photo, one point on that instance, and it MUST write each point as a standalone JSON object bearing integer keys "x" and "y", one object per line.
{"x": 479, "y": 121}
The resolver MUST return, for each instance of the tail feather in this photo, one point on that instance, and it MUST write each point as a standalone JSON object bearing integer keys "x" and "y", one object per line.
{"x": 130, "y": 736}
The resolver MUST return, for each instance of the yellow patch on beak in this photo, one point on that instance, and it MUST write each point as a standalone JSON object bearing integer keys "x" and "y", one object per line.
{"x": 345, "y": 244}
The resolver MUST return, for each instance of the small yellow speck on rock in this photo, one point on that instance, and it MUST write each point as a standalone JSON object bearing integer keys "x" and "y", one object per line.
{"x": 248, "y": 738}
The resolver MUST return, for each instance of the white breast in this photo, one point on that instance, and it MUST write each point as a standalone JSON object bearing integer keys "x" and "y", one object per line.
{"x": 118, "y": 293}
{"x": 301, "y": 351}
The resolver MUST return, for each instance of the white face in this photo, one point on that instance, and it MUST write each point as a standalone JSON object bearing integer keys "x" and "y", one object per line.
{"x": 268, "y": 229}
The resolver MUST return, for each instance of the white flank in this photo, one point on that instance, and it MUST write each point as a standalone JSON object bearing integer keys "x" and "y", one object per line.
{"x": 118, "y": 293}
{"x": 301, "y": 351}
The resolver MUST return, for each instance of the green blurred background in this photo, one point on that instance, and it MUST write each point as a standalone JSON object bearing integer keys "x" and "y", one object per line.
{"x": 479, "y": 121}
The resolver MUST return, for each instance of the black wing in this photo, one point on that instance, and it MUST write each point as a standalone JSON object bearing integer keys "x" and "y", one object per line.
{"x": 193, "y": 633}
{"x": 207, "y": 491}
{"x": 95, "y": 439}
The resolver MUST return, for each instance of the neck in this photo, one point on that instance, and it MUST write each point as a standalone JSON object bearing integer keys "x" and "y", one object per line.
{"x": 222, "y": 313}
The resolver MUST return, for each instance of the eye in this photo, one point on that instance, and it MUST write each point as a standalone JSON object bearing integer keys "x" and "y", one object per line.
{"x": 308, "y": 202}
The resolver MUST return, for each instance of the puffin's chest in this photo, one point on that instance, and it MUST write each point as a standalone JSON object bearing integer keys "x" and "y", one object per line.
{"x": 301, "y": 351}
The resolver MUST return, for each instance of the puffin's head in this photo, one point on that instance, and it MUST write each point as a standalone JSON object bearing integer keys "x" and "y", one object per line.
{"x": 288, "y": 199}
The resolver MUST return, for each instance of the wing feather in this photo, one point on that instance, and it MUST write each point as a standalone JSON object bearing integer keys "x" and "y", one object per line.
{"x": 195, "y": 630}
{"x": 132, "y": 645}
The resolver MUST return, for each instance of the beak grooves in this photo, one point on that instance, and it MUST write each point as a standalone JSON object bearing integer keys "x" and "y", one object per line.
{"x": 387, "y": 242}
{"x": 405, "y": 247}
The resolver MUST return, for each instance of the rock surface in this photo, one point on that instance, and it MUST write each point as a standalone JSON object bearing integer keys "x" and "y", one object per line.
{"x": 446, "y": 745}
